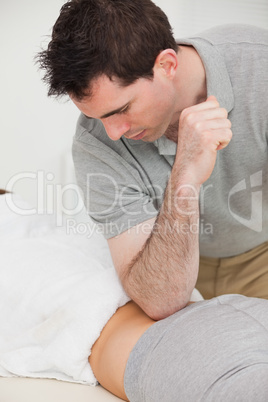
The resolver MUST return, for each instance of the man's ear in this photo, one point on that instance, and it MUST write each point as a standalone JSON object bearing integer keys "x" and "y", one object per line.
{"x": 166, "y": 63}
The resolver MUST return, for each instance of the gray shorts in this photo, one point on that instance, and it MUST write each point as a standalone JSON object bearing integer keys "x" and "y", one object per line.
{"x": 213, "y": 350}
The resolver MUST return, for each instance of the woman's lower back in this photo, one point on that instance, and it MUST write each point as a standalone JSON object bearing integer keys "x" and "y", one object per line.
{"x": 111, "y": 351}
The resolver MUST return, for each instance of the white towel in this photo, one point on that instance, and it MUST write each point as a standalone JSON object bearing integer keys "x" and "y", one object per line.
{"x": 57, "y": 292}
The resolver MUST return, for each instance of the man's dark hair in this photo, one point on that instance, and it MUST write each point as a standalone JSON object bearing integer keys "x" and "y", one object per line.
{"x": 118, "y": 38}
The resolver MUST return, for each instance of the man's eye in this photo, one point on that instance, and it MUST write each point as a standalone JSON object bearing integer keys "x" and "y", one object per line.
{"x": 124, "y": 110}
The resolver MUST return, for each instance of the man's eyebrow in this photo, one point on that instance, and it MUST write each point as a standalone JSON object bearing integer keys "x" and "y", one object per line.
{"x": 114, "y": 111}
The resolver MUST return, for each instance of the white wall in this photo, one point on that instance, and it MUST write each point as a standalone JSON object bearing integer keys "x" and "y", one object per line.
{"x": 36, "y": 132}
{"x": 191, "y": 16}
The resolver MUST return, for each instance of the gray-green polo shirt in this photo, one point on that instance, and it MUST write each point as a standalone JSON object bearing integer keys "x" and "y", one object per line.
{"x": 123, "y": 181}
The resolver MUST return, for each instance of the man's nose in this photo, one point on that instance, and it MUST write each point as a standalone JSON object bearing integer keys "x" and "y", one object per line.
{"x": 115, "y": 129}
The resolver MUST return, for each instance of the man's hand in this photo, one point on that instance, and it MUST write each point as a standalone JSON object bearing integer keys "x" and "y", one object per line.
{"x": 203, "y": 130}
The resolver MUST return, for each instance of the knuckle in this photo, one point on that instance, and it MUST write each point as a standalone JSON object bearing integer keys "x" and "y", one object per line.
{"x": 224, "y": 112}
{"x": 228, "y": 123}
{"x": 183, "y": 114}
{"x": 188, "y": 118}
{"x": 197, "y": 126}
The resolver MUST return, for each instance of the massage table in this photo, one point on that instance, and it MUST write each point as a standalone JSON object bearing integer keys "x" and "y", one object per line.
{"x": 43, "y": 390}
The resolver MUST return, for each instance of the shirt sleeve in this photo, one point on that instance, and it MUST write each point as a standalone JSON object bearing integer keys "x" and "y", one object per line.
{"x": 114, "y": 194}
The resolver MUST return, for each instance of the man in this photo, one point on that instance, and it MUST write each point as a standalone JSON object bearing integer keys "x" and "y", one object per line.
{"x": 163, "y": 169}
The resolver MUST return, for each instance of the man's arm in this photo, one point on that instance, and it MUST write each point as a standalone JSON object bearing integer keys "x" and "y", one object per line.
{"x": 159, "y": 269}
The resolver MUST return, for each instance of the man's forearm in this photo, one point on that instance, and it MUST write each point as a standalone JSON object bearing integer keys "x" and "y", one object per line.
{"x": 163, "y": 274}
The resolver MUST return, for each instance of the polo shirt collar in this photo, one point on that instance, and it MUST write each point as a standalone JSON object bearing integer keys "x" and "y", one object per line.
{"x": 165, "y": 146}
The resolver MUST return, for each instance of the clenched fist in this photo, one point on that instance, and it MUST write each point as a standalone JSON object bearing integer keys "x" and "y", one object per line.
{"x": 203, "y": 130}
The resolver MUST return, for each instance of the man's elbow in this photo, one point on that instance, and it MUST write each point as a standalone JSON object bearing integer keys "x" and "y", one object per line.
{"x": 158, "y": 304}
{"x": 161, "y": 311}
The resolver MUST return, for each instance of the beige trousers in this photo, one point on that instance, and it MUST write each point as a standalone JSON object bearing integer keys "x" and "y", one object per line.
{"x": 246, "y": 274}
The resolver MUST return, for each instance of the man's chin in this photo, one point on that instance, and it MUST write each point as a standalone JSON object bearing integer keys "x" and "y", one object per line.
{"x": 152, "y": 137}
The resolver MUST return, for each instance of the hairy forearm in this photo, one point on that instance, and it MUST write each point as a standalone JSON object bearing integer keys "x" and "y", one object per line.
{"x": 163, "y": 274}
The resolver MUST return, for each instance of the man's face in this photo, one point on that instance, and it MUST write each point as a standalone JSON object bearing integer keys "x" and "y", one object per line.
{"x": 142, "y": 110}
